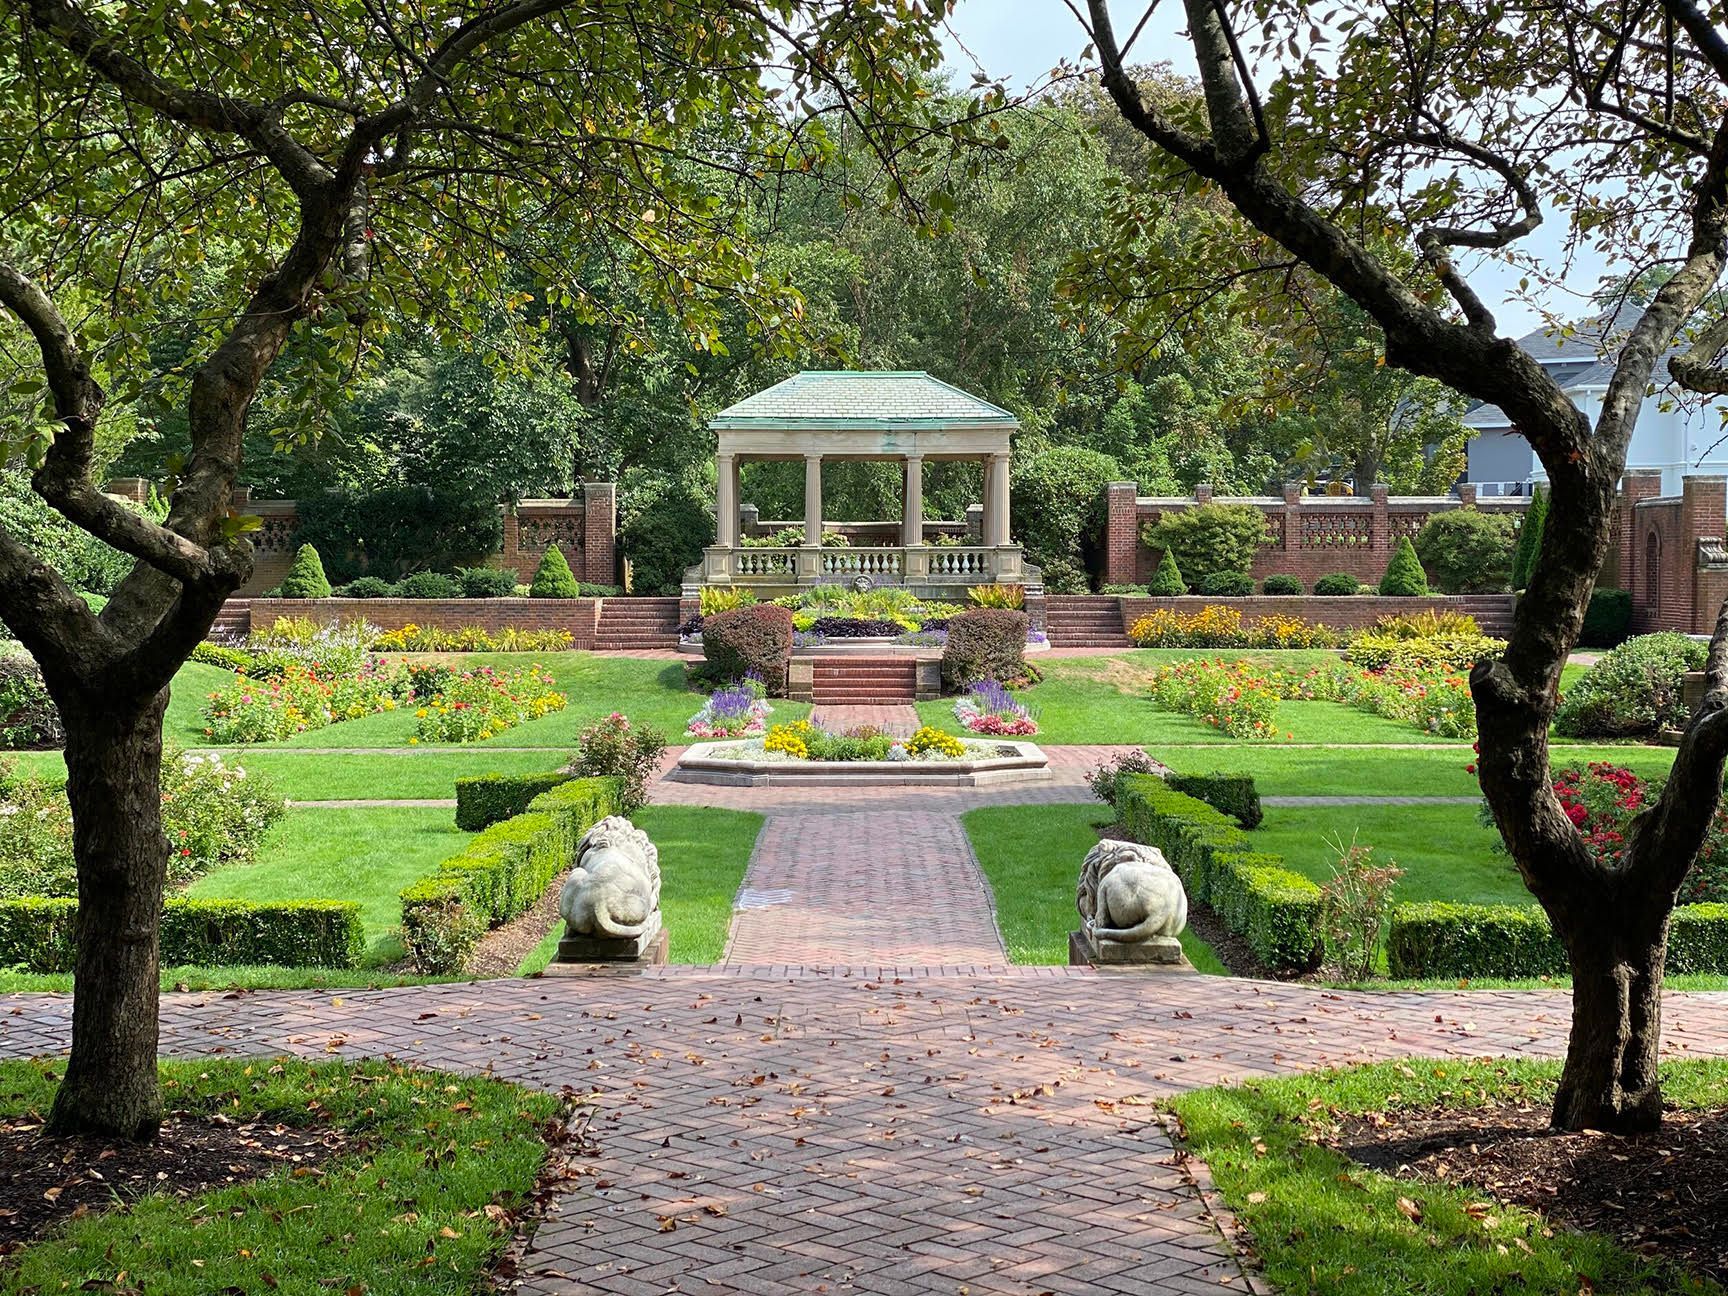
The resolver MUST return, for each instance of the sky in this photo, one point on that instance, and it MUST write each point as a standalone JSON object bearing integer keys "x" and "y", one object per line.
{"x": 1021, "y": 40}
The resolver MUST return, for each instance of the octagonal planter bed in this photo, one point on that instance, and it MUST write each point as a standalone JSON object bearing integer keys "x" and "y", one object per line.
{"x": 745, "y": 763}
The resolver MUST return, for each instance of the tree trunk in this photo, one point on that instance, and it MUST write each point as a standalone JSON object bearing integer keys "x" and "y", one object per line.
{"x": 1610, "y": 1081}
{"x": 114, "y": 781}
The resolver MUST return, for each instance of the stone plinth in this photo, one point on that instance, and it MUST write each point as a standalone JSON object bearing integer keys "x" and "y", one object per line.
{"x": 1159, "y": 951}
{"x": 649, "y": 948}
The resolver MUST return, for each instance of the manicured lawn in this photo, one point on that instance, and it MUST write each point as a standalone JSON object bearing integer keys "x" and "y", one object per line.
{"x": 1031, "y": 856}
{"x": 703, "y": 852}
{"x": 1322, "y": 1223}
{"x": 1446, "y": 854}
{"x": 365, "y": 855}
{"x": 401, "y": 1210}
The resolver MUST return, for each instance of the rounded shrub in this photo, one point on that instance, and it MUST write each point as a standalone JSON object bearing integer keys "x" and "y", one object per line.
{"x": 428, "y": 585}
{"x": 985, "y": 643}
{"x": 750, "y": 640}
{"x": 1227, "y": 584}
{"x": 1209, "y": 538}
{"x": 1167, "y": 581}
{"x": 1607, "y": 619}
{"x": 366, "y": 587}
{"x": 1336, "y": 584}
{"x": 1467, "y": 551}
{"x": 1281, "y": 584}
{"x": 553, "y": 577}
{"x": 1634, "y": 691}
{"x": 1404, "y": 577}
{"x": 306, "y": 578}
{"x": 486, "y": 582}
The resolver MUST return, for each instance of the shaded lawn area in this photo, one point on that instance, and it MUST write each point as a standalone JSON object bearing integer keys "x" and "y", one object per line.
{"x": 1031, "y": 857}
{"x": 364, "y": 855}
{"x": 703, "y": 853}
{"x": 1446, "y": 854}
{"x": 386, "y": 1207}
{"x": 1323, "y": 1223}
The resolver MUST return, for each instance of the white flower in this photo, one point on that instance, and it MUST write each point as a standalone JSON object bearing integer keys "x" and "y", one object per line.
{"x": 8, "y": 811}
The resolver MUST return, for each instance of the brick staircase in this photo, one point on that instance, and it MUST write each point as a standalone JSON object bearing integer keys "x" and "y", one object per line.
{"x": 636, "y": 623}
{"x": 1493, "y": 612}
{"x": 860, "y": 681}
{"x": 234, "y": 621}
{"x": 1084, "y": 621}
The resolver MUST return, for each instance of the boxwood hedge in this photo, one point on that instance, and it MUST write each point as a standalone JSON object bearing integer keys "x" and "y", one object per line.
{"x": 492, "y": 798}
{"x": 1437, "y": 939}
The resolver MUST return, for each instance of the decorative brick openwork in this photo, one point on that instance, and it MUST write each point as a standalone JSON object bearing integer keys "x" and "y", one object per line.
{"x": 1307, "y": 536}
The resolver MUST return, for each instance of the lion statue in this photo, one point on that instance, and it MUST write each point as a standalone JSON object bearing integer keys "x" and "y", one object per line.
{"x": 614, "y": 890}
{"x": 1129, "y": 894}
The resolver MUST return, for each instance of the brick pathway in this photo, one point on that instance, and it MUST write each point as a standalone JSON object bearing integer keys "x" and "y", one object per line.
{"x": 900, "y": 720}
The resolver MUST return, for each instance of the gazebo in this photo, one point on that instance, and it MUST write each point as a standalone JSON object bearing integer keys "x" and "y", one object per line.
{"x": 827, "y": 415}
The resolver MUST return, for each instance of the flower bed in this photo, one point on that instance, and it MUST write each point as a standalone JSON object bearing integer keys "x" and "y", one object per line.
{"x": 989, "y": 708}
{"x": 802, "y": 741}
{"x": 1221, "y": 627}
{"x": 736, "y": 711}
{"x": 1234, "y": 697}
{"x": 483, "y": 703}
{"x": 299, "y": 698}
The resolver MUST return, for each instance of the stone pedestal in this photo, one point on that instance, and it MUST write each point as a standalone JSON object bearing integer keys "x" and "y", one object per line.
{"x": 1159, "y": 951}
{"x": 649, "y": 948}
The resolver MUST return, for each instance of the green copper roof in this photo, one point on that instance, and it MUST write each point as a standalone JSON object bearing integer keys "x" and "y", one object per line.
{"x": 849, "y": 398}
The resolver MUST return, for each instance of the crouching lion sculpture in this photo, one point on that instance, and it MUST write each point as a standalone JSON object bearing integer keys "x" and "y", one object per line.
{"x": 1131, "y": 904}
{"x": 614, "y": 890}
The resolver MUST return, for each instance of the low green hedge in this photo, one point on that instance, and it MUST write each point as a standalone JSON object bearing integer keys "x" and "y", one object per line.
{"x": 492, "y": 798}
{"x": 499, "y": 874}
{"x": 1273, "y": 909}
{"x": 1233, "y": 793}
{"x": 1437, "y": 939}
{"x": 37, "y": 934}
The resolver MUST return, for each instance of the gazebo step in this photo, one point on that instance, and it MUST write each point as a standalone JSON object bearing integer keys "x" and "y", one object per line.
{"x": 863, "y": 680}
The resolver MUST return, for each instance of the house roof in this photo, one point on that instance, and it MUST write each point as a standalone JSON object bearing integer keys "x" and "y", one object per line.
{"x": 852, "y": 398}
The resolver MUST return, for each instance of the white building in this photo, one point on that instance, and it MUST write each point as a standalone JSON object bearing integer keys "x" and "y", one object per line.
{"x": 1679, "y": 437}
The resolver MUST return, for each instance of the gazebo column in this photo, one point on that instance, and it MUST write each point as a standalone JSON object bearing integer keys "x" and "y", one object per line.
{"x": 996, "y": 500}
{"x": 726, "y": 502}
{"x": 813, "y": 500}
{"x": 912, "y": 509}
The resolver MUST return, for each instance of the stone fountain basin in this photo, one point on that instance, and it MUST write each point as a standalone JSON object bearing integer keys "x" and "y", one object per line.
{"x": 701, "y": 763}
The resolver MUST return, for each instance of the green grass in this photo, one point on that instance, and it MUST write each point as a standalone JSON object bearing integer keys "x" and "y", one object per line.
{"x": 1321, "y": 1223}
{"x": 703, "y": 852}
{"x": 1446, "y": 854}
{"x": 1281, "y": 770}
{"x": 401, "y": 1211}
{"x": 1031, "y": 856}
{"x": 365, "y": 855}
{"x": 235, "y": 976}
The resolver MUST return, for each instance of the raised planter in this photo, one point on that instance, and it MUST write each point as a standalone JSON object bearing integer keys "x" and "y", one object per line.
{"x": 700, "y": 763}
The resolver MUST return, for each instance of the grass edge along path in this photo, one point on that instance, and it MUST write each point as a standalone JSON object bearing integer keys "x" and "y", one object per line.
{"x": 1324, "y": 1224}
{"x": 388, "y": 1214}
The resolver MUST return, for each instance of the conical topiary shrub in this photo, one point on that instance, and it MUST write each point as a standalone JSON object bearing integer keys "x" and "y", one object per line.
{"x": 1167, "y": 580}
{"x": 306, "y": 578}
{"x": 553, "y": 577}
{"x": 1404, "y": 577}
{"x": 1529, "y": 540}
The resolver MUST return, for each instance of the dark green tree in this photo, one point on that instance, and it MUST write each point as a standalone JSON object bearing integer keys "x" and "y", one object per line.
{"x": 1530, "y": 539}
{"x": 553, "y": 577}
{"x": 1404, "y": 576}
{"x": 1167, "y": 580}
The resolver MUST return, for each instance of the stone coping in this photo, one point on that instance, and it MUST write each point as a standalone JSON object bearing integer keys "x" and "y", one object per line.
{"x": 862, "y": 647}
{"x": 700, "y": 764}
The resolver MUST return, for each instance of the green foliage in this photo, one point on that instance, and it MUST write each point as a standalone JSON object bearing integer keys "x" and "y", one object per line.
{"x": 86, "y": 563}
{"x": 716, "y": 599}
{"x": 625, "y": 756}
{"x": 996, "y": 596}
{"x": 1607, "y": 619}
{"x": 1278, "y": 583}
{"x": 553, "y": 577}
{"x": 1336, "y": 584}
{"x": 1438, "y": 940}
{"x": 486, "y": 799}
{"x": 28, "y": 716}
{"x": 306, "y": 579}
{"x": 486, "y": 582}
{"x": 1167, "y": 581}
{"x": 1231, "y": 792}
{"x": 985, "y": 644}
{"x": 754, "y": 640}
{"x": 1634, "y": 690}
{"x": 1227, "y": 584}
{"x": 1404, "y": 577}
{"x": 1209, "y": 538}
{"x": 1467, "y": 551}
{"x": 366, "y": 587}
{"x": 1058, "y": 508}
{"x": 1530, "y": 539}
{"x": 226, "y": 656}
{"x": 664, "y": 523}
{"x": 393, "y": 530}
{"x": 428, "y": 585}
{"x": 1273, "y": 909}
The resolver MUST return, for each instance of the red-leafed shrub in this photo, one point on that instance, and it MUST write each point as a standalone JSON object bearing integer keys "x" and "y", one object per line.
{"x": 985, "y": 644}
{"x": 750, "y": 640}
{"x": 1603, "y": 799}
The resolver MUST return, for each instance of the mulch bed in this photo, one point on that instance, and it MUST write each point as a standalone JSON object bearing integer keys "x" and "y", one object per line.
{"x": 44, "y": 1181}
{"x": 1663, "y": 1195}
{"x": 501, "y": 950}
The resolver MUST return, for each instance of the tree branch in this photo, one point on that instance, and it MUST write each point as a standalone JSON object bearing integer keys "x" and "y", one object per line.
{"x": 1695, "y": 369}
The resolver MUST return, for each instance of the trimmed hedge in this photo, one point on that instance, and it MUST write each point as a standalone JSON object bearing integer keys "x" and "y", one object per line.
{"x": 499, "y": 874}
{"x": 756, "y": 638}
{"x": 1233, "y": 793}
{"x": 1273, "y": 909}
{"x": 1437, "y": 939}
{"x": 491, "y": 798}
{"x": 1607, "y": 619}
{"x": 1280, "y": 583}
{"x": 37, "y": 934}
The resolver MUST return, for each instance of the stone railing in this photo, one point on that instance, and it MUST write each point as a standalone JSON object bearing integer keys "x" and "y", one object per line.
{"x": 880, "y": 564}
